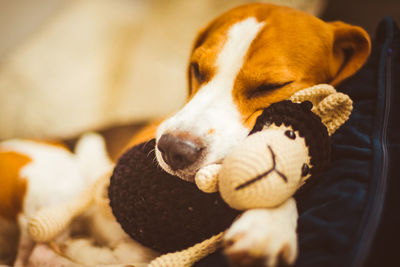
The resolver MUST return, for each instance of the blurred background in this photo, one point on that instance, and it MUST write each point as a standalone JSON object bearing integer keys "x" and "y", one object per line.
{"x": 71, "y": 66}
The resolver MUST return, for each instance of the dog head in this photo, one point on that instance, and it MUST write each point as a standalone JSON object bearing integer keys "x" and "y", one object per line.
{"x": 243, "y": 61}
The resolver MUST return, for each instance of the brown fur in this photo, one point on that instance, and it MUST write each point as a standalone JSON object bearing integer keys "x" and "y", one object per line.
{"x": 145, "y": 134}
{"x": 12, "y": 185}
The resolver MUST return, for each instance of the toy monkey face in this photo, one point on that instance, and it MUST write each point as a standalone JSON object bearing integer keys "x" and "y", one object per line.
{"x": 266, "y": 169}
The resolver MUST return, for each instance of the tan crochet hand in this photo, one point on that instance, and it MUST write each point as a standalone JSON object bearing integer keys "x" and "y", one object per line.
{"x": 207, "y": 178}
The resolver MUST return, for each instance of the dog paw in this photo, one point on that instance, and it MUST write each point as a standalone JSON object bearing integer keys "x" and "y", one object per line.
{"x": 263, "y": 237}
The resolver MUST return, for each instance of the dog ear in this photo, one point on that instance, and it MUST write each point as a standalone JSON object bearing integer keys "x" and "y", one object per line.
{"x": 351, "y": 48}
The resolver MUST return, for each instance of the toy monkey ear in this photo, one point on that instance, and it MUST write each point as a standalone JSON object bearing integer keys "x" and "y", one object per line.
{"x": 334, "y": 110}
{"x": 332, "y": 107}
{"x": 351, "y": 48}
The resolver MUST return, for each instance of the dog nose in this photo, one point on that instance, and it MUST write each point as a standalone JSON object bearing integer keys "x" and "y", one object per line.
{"x": 179, "y": 152}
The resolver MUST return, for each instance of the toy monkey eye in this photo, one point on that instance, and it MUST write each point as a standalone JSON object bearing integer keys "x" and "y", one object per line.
{"x": 196, "y": 71}
{"x": 305, "y": 169}
{"x": 290, "y": 134}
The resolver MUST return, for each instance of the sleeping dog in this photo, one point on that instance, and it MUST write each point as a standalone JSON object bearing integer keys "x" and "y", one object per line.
{"x": 243, "y": 61}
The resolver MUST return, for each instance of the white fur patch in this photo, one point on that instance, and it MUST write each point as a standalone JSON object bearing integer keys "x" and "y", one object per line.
{"x": 213, "y": 106}
{"x": 55, "y": 174}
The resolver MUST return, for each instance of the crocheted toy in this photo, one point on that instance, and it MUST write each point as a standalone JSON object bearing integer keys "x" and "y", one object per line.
{"x": 288, "y": 144}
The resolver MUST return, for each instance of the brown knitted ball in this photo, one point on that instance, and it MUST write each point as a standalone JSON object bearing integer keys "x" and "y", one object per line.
{"x": 162, "y": 211}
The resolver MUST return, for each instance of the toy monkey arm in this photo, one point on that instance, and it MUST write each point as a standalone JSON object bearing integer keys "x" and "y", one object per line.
{"x": 207, "y": 178}
{"x": 189, "y": 256}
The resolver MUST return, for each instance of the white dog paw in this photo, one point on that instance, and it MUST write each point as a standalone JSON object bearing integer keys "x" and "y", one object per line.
{"x": 262, "y": 237}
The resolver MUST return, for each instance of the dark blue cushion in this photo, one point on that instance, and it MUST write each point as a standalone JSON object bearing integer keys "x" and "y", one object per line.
{"x": 350, "y": 215}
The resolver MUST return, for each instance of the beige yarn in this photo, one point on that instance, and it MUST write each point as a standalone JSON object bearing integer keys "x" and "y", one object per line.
{"x": 51, "y": 221}
{"x": 334, "y": 110}
{"x": 333, "y": 107}
{"x": 188, "y": 257}
{"x": 206, "y": 179}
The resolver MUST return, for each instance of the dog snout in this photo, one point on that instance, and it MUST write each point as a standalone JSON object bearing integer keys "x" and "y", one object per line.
{"x": 179, "y": 151}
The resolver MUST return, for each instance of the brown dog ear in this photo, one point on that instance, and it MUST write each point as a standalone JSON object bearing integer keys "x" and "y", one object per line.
{"x": 351, "y": 48}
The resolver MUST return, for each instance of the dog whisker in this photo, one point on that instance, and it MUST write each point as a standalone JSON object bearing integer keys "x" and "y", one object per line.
{"x": 151, "y": 151}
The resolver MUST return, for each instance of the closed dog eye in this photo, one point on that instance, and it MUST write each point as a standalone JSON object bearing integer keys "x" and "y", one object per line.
{"x": 265, "y": 88}
{"x": 200, "y": 77}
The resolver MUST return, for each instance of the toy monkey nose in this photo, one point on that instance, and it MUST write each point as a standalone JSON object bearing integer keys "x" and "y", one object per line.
{"x": 179, "y": 150}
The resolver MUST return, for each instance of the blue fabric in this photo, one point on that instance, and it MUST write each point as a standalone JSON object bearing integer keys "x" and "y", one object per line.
{"x": 385, "y": 246}
{"x": 342, "y": 215}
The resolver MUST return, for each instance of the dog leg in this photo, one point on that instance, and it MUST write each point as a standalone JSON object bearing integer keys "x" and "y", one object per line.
{"x": 263, "y": 236}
